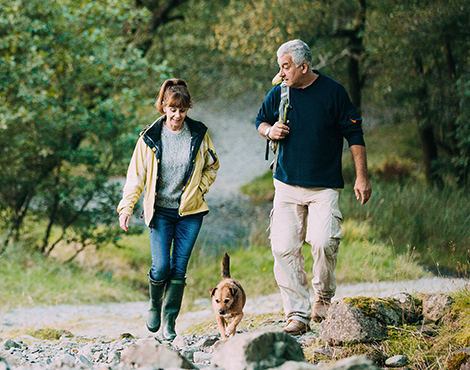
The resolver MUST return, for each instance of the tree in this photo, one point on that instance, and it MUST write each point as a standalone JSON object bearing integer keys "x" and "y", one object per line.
{"x": 231, "y": 45}
{"x": 420, "y": 64}
{"x": 70, "y": 88}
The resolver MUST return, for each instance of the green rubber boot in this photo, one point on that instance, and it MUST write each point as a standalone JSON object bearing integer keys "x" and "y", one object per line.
{"x": 171, "y": 307}
{"x": 156, "y": 290}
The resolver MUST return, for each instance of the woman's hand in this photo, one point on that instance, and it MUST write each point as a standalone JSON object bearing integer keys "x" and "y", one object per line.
{"x": 124, "y": 220}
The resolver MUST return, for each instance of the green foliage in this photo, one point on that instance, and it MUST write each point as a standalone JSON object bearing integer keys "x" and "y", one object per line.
{"x": 419, "y": 62}
{"x": 70, "y": 86}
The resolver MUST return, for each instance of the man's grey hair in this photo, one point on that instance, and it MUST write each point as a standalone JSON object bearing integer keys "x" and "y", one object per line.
{"x": 298, "y": 50}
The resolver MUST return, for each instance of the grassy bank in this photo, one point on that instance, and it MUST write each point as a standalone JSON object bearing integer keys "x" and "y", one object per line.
{"x": 113, "y": 275}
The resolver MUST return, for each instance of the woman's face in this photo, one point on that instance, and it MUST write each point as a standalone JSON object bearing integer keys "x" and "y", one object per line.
{"x": 175, "y": 117}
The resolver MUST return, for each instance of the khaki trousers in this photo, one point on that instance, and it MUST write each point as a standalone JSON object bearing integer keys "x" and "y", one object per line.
{"x": 304, "y": 215}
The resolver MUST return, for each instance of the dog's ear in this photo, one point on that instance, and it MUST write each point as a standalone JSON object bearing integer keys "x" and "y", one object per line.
{"x": 213, "y": 290}
{"x": 233, "y": 291}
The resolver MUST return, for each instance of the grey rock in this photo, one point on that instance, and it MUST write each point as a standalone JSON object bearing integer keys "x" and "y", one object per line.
{"x": 4, "y": 364}
{"x": 85, "y": 361}
{"x": 154, "y": 355}
{"x": 435, "y": 306}
{"x": 207, "y": 341}
{"x": 180, "y": 342}
{"x": 260, "y": 349}
{"x": 465, "y": 365}
{"x": 65, "y": 360}
{"x": 464, "y": 350}
{"x": 348, "y": 324}
{"x": 297, "y": 365}
{"x": 410, "y": 309}
{"x": 397, "y": 361}
{"x": 188, "y": 352}
{"x": 114, "y": 357}
{"x": 201, "y": 357}
{"x": 9, "y": 344}
{"x": 351, "y": 363}
{"x": 325, "y": 351}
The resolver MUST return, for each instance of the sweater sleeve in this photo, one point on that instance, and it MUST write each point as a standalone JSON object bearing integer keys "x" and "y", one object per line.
{"x": 269, "y": 111}
{"x": 349, "y": 120}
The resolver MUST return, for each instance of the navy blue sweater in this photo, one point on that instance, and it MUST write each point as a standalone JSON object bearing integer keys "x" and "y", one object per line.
{"x": 321, "y": 116}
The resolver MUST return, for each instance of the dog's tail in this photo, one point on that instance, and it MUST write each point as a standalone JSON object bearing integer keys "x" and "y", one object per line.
{"x": 226, "y": 267}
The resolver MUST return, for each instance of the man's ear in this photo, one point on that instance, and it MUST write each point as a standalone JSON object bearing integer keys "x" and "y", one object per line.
{"x": 304, "y": 66}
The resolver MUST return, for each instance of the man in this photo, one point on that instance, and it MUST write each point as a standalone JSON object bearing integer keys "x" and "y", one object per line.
{"x": 307, "y": 180}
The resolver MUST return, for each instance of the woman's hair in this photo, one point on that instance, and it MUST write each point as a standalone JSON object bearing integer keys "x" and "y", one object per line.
{"x": 173, "y": 93}
{"x": 298, "y": 50}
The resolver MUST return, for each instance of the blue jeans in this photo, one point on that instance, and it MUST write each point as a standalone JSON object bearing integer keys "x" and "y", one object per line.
{"x": 170, "y": 229}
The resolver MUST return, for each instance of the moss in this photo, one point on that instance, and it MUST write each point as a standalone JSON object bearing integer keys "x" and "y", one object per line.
{"x": 366, "y": 304}
{"x": 49, "y": 333}
{"x": 456, "y": 360}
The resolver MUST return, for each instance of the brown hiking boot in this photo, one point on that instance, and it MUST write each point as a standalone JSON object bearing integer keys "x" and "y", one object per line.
{"x": 296, "y": 327}
{"x": 320, "y": 308}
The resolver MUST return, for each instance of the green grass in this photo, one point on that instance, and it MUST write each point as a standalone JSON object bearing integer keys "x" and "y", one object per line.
{"x": 28, "y": 280}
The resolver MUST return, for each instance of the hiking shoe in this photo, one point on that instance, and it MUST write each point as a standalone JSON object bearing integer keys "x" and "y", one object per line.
{"x": 320, "y": 308}
{"x": 296, "y": 327}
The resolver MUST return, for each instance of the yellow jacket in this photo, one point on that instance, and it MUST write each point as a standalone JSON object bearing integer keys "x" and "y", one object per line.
{"x": 144, "y": 170}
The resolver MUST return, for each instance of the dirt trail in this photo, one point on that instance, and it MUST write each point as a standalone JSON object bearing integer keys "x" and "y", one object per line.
{"x": 111, "y": 320}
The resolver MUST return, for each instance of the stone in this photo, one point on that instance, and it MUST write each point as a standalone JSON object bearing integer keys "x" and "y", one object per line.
{"x": 201, "y": 357}
{"x": 435, "y": 306}
{"x": 353, "y": 363}
{"x": 85, "y": 361}
{"x": 9, "y": 344}
{"x": 409, "y": 306}
{"x": 154, "y": 355}
{"x": 260, "y": 349}
{"x": 297, "y": 365}
{"x": 397, "y": 361}
{"x": 180, "y": 342}
{"x": 4, "y": 364}
{"x": 347, "y": 323}
{"x": 207, "y": 342}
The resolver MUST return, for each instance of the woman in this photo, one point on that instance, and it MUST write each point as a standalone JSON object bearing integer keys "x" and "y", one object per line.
{"x": 174, "y": 163}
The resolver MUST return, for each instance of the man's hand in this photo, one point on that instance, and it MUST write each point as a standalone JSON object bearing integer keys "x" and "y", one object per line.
{"x": 362, "y": 186}
{"x": 363, "y": 190}
{"x": 124, "y": 220}
{"x": 278, "y": 131}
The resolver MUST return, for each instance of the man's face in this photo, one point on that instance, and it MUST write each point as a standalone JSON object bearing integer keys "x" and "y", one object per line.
{"x": 292, "y": 75}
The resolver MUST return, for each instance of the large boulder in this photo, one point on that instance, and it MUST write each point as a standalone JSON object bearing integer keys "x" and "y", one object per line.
{"x": 359, "y": 320}
{"x": 260, "y": 349}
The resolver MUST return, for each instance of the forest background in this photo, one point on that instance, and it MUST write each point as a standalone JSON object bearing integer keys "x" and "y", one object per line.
{"x": 77, "y": 83}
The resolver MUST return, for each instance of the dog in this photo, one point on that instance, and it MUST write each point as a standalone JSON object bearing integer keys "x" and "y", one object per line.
{"x": 228, "y": 300}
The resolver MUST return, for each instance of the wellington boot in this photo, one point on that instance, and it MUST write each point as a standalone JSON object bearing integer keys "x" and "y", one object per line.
{"x": 156, "y": 290}
{"x": 171, "y": 307}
